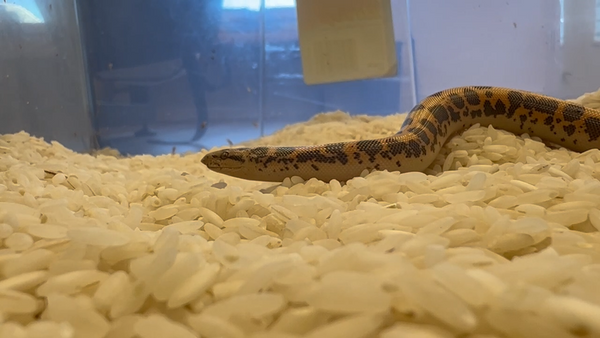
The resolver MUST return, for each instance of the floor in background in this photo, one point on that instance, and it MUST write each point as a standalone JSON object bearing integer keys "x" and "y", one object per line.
{"x": 178, "y": 138}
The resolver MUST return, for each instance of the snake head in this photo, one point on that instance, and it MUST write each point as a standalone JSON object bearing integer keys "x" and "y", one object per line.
{"x": 225, "y": 160}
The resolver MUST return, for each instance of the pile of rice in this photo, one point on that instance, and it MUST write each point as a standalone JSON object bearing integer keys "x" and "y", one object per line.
{"x": 498, "y": 239}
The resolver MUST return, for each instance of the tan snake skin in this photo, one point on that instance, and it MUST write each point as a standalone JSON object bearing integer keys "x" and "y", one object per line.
{"x": 426, "y": 129}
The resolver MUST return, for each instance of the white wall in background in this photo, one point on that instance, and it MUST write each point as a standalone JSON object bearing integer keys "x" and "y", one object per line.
{"x": 581, "y": 47}
{"x": 486, "y": 42}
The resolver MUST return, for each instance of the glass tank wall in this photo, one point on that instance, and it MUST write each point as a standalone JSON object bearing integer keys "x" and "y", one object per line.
{"x": 190, "y": 74}
{"x": 150, "y": 76}
{"x": 43, "y": 84}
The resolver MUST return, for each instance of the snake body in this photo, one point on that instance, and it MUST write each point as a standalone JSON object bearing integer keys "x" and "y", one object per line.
{"x": 428, "y": 126}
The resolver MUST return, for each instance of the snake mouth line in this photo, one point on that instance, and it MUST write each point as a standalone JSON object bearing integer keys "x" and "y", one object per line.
{"x": 211, "y": 164}
{"x": 221, "y": 167}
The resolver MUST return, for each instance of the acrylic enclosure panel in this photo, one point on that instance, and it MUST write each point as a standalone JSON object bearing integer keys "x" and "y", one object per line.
{"x": 157, "y": 77}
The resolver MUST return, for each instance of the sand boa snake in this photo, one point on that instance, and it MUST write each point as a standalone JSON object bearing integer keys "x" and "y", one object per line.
{"x": 426, "y": 129}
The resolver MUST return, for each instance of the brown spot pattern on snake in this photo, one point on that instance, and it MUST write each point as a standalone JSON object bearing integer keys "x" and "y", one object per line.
{"x": 592, "y": 128}
{"x": 570, "y": 129}
{"x": 573, "y": 113}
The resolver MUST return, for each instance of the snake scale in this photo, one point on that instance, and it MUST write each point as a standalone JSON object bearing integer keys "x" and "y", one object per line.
{"x": 428, "y": 126}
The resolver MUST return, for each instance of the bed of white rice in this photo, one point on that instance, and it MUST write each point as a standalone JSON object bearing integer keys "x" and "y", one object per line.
{"x": 498, "y": 239}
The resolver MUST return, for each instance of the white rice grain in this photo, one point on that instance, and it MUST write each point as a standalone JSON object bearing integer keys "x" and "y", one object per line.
{"x": 214, "y": 327}
{"x": 47, "y": 231}
{"x": 401, "y": 330}
{"x": 194, "y": 286}
{"x": 157, "y": 326}
{"x": 84, "y": 320}
{"x": 16, "y": 302}
{"x": 71, "y": 283}
{"x": 439, "y": 303}
{"x": 13, "y": 330}
{"x": 18, "y": 241}
{"x": 24, "y": 281}
{"x": 5, "y": 230}
{"x": 97, "y": 236}
{"x": 356, "y": 326}
{"x": 50, "y": 329}
{"x": 337, "y": 293}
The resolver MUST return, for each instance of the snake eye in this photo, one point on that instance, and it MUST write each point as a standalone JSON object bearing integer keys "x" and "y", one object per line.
{"x": 225, "y": 155}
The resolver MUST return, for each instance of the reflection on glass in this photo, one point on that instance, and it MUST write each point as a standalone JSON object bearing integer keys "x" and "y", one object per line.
{"x": 187, "y": 74}
{"x": 24, "y": 12}
{"x": 597, "y": 22}
{"x": 254, "y": 5}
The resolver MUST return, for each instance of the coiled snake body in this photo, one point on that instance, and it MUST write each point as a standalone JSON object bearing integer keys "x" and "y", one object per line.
{"x": 426, "y": 129}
